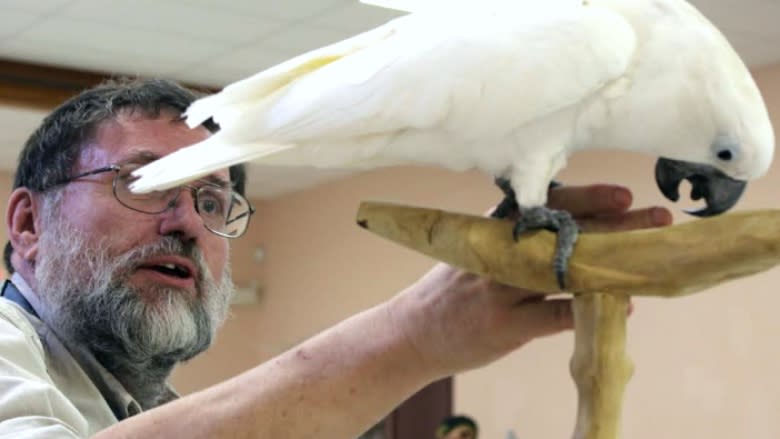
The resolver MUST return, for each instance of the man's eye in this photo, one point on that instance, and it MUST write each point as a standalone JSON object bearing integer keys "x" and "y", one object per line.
{"x": 211, "y": 205}
{"x": 127, "y": 178}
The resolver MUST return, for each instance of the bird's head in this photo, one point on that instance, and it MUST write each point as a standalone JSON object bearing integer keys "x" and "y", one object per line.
{"x": 720, "y": 173}
{"x": 728, "y": 125}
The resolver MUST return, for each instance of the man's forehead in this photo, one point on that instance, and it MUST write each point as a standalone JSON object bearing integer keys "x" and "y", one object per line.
{"x": 136, "y": 127}
{"x": 96, "y": 155}
{"x": 141, "y": 136}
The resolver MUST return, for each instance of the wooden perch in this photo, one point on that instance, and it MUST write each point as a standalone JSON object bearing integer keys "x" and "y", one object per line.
{"x": 670, "y": 261}
{"x": 604, "y": 271}
{"x": 600, "y": 365}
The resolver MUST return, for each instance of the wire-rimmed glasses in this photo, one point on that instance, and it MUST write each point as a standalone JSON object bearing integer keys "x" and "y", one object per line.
{"x": 224, "y": 211}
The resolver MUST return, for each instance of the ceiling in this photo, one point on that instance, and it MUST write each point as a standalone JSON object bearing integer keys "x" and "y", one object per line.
{"x": 213, "y": 43}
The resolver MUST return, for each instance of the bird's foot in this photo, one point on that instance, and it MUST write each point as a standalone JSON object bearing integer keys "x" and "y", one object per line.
{"x": 541, "y": 218}
{"x": 534, "y": 218}
{"x": 508, "y": 207}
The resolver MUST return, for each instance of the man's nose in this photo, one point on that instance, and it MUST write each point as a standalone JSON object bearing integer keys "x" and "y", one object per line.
{"x": 181, "y": 216}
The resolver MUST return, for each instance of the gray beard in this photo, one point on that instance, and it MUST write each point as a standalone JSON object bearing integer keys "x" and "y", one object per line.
{"x": 84, "y": 288}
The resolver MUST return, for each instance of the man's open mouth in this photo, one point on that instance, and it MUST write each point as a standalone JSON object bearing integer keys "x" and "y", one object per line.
{"x": 170, "y": 270}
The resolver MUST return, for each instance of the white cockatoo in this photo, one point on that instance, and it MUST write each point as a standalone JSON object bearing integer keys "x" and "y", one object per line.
{"x": 508, "y": 87}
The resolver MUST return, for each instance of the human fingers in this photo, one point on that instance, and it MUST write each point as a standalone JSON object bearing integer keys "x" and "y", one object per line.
{"x": 590, "y": 200}
{"x": 634, "y": 219}
{"x": 539, "y": 318}
{"x": 509, "y": 295}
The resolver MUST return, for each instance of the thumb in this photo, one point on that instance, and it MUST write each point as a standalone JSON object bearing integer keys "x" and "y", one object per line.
{"x": 542, "y": 318}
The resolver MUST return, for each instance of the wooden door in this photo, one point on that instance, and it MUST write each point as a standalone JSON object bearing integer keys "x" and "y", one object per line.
{"x": 419, "y": 416}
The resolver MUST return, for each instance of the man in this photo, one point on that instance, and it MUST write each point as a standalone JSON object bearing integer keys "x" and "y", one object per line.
{"x": 457, "y": 427}
{"x": 111, "y": 290}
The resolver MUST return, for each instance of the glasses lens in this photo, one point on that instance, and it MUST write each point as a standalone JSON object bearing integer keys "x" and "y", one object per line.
{"x": 223, "y": 210}
{"x": 152, "y": 202}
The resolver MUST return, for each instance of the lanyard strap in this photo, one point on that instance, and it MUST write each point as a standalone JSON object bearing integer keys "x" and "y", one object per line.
{"x": 10, "y": 292}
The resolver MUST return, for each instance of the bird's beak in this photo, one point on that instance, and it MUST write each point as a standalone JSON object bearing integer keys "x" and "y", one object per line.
{"x": 720, "y": 191}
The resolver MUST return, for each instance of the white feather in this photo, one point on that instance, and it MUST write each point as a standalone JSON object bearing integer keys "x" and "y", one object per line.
{"x": 200, "y": 153}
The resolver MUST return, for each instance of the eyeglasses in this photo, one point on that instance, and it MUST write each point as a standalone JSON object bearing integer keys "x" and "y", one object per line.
{"x": 224, "y": 211}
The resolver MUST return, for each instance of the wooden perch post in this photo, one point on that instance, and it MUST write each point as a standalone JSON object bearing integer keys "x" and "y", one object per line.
{"x": 600, "y": 366}
{"x": 604, "y": 270}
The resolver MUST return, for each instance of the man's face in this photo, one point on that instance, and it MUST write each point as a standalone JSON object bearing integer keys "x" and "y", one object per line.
{"x": 461, "y": 432}
{"x": 106, "y": 270}
{"x": 91, "y": 206}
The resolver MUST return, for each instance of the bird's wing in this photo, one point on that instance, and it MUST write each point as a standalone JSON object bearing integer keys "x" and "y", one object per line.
{"x": 241, "y": 96}
{"x": 475, "y": 75}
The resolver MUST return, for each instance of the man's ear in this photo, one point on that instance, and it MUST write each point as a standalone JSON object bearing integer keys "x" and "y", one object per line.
{"x": 22, "y": 220}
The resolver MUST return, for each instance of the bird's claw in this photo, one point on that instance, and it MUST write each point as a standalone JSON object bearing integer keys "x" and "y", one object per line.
{"x": 557, "y": 221}
{"x": 541, "y": 218}
{"x": 508, "y": 206}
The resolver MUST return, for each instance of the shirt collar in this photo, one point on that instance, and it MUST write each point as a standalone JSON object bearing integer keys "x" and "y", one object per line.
{"x": 116, "y": 395}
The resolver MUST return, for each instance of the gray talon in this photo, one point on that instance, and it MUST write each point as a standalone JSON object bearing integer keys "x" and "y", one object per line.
{"x": 533, "y": 218}
{"x": 557, "y": 221}
{"x": 508, "y": 206}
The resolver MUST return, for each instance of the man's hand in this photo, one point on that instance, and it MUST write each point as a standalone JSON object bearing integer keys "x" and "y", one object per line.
{"x": 605, "y": 208}
{"x": 456, "y": 321}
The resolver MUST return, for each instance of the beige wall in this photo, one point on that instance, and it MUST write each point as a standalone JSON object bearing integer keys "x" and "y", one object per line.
{"x": 705, "y": 365}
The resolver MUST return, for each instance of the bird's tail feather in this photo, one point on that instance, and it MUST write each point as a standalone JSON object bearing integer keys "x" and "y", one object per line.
{"x": 225, "y": 107}
{"x": 196, "y": 161}
{"x": 203, "y": 108}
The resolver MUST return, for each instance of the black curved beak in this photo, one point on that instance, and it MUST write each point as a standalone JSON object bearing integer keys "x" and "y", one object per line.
{"x": 720, "y": 191}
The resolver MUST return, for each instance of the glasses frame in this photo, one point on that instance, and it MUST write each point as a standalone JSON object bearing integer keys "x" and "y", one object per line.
{"x": 193, "y": 191}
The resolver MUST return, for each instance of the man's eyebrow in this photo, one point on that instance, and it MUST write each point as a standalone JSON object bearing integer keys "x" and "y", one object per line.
{"x": 143, "y": 157}
{"x": 218, "y": 181}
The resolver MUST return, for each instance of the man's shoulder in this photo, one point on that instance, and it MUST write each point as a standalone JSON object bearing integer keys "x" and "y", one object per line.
{"x": 15, "y": 322}
{"x": 37, "y": 397}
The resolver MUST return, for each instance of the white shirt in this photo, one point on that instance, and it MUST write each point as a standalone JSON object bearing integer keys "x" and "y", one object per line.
{"x": 47, "y": 390}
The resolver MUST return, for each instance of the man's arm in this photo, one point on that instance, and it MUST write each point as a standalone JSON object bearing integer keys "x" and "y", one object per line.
{"x": 342, "y": 381}
{"x": 334, "y": 385}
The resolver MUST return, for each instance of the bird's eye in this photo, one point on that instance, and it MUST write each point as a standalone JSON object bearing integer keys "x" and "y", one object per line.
{"x": 726, "y": 148}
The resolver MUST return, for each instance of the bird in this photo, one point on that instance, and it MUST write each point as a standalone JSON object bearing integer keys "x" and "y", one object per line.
{"x": 511, "y": 88}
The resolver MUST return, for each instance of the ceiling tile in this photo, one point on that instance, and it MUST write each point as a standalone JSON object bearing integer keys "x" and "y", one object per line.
{"x": 66, "y": 54}
{"x": 303, "y": 38}
{"x": 210, "y": 75}
{"x": 195, "y": 21}
{"x": 117, "y": 43}
{"x": 281, "y": 9}
{"x": 36, "y": 6}
{"x": 232, "y": 66}
{"x": 356, "y": 17}
{"x": 12, "y": 22}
